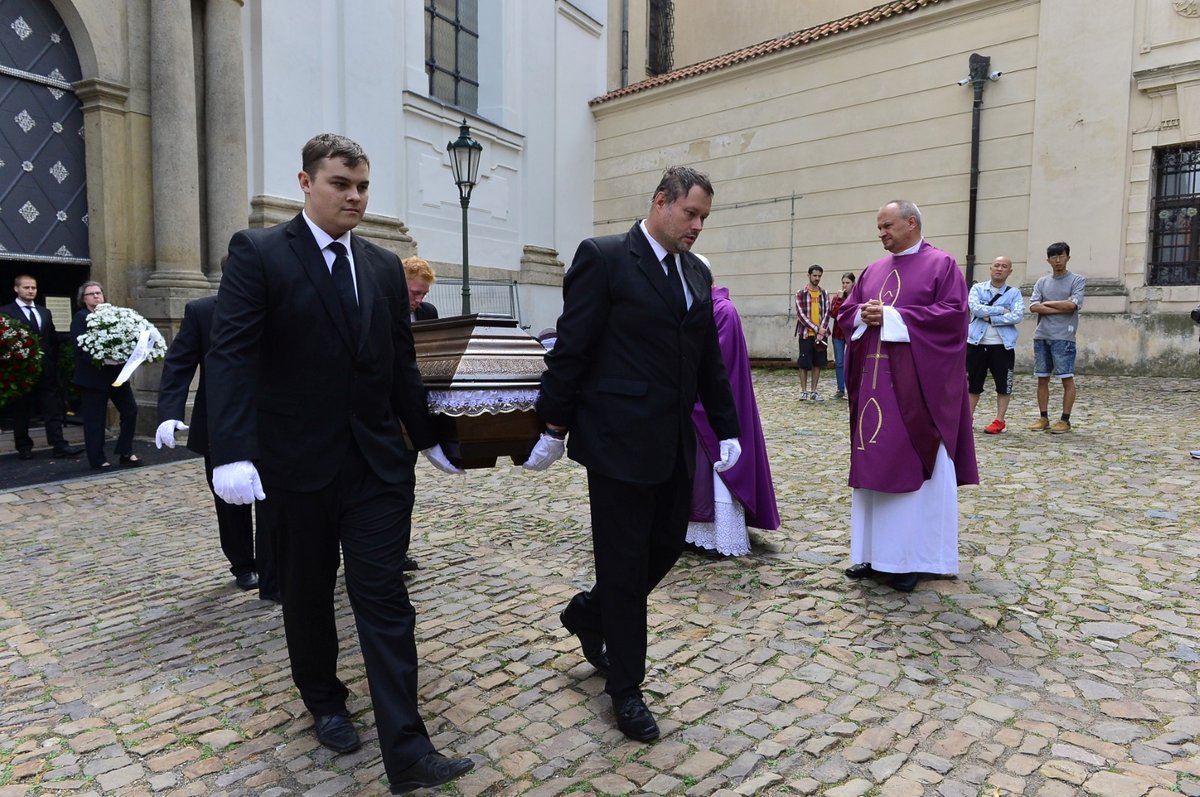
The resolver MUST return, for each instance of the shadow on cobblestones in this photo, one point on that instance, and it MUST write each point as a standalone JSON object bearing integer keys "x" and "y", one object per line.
{"x": 1062, "y": 661}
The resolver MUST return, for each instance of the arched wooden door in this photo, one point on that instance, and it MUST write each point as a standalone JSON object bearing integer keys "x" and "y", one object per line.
{"x": 43, "y": 190}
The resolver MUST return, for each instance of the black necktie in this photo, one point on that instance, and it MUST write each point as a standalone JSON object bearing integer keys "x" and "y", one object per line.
{"x": 33, "y": 319}
{"x": 343, "y": 283}
{"x": 675, "y": 286}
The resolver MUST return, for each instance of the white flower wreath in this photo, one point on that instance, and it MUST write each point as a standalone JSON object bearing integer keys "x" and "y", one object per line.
{"x": 113, "y": 332}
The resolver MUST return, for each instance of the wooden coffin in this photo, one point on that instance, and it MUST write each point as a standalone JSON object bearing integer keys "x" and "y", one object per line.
{"x": 482, "y": 373}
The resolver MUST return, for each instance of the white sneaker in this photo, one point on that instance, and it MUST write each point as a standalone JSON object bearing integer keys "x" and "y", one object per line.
{"x": 815, "y": 396}
{"x": 803, "y": 396}
{"x": 1195, "y": 454}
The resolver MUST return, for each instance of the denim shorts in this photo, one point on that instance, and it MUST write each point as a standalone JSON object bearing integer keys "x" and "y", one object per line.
{"x": 1054, "y": 357}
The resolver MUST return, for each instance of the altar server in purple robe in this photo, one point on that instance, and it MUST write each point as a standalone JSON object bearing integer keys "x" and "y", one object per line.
{"x": 725, "y": 503}
{"x": 911, "y": 444}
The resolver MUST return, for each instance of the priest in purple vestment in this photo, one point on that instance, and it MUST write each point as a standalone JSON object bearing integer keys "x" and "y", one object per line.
{"x": 725, "y": 503}
{"x": 911, "y": 443}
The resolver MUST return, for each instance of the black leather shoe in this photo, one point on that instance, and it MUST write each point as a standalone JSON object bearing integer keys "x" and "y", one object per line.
{"x": 634, "y": 719}
{"x": 409, "y": 564}
{"x": 863, "y": 570}
{"x": 270, "y": 596}
{"x": 336, "y": 732}
{"x": 131, "y": 460}
{"x": 591, "y": 642}
{"x": 430, "y": 770}
{"x": 246, "y": 580}
{"x": 25, "y": 454}
{"x": 904, "y": 582}
{"x": 67, "y": 451}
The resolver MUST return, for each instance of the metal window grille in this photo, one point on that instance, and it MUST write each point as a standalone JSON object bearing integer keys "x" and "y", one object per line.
{"x": 660, "y": 47}
{"x": 452, "y": 51}
{"x": 1175, "y": 217}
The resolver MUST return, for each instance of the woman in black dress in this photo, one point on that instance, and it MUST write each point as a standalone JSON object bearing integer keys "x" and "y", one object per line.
{"x": 96, "y": 390}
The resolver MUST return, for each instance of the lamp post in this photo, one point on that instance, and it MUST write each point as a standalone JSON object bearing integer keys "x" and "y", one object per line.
{"x": 980, "y": 74}
{"x": 464, "y": 159}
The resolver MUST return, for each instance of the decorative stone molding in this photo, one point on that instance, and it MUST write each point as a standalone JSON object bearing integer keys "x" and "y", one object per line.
{"x": 1182, "y": 80}
{"x": 100, "y": 93}
{"x": 1165, "y": 78}
{"x": 387, "y": 231}
{"x": 540, "y": 266}
{"x": 1187, "y": 8}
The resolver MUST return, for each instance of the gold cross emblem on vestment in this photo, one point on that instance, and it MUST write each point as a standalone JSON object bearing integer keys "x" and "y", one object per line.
{"x": 889, "y": 292}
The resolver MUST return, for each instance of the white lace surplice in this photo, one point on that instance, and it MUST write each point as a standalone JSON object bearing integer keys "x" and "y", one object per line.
{"x": 727, "y": 534}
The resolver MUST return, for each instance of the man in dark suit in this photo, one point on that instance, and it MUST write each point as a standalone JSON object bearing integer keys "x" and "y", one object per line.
{"x": 636, "y": 345}
{"x": 420, "y": 277}
{"x": 46, "y": 394}
{"x": 311, "y": 373}
{"x": 234, "y": 523}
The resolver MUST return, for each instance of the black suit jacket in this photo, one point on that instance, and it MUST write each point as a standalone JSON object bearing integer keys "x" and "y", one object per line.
{"x": 47, "y": 337}
{"x": 425, "y": 312}
{"x": 626, "y": 370}
{"x": 287, "y": 387}
{"x": 87, "y": 373}
{"x": 184, "y": 355}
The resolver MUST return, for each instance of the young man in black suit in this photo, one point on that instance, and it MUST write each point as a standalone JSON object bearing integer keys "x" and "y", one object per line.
{"x": 636, "y": 345}
{"x": 234, "y": 523}
{"x": 46, "y": 394}
{"x": 420, "y": 277}
{"x": 311, "y": 373}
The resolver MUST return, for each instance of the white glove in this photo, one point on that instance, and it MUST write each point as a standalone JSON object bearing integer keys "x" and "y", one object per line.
{"x": 165, "y": 436}
{"x": 731, "y": 450}
{"x": 238, "y": 483}
{"x": 438, "y": 459}
{"x": 546, "y": 452}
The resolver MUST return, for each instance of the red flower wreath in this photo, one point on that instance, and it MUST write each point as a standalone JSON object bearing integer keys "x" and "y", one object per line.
{"x": 20, "y": 359}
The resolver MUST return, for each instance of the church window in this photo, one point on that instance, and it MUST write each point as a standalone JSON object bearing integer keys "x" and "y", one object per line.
{"x": 1175, "y": 217}
{"x": 452, "y": 51}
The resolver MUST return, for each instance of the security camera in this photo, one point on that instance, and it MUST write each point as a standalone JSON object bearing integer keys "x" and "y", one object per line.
{"x": 964, "y": 81}
{"x": 995, "y": 75}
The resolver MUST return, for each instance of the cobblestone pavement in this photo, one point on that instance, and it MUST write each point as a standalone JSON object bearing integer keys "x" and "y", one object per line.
{"x": 1062, "y": 661}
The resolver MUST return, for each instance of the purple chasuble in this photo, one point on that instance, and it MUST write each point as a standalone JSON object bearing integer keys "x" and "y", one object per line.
{"x": 906, "y": 398}
{"x": 750, "y": 479}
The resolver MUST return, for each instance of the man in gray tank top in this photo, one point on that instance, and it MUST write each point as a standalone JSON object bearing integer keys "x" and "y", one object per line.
{"x": 1056, "y": 300}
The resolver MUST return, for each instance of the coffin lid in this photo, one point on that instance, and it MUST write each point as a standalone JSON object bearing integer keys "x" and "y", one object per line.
{"x": 480, "y": 351}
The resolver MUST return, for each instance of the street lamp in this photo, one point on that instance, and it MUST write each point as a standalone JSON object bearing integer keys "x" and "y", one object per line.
{"x": 464, "y": 159}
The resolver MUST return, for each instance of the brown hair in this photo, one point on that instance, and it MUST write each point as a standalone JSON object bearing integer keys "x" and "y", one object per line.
{"x": 677, "y": 181}
{"x": 84, "y": 287}
{"x": 331, "y": 145}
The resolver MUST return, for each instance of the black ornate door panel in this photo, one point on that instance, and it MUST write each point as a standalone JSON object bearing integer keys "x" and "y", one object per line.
{"x": 43, "y": 193}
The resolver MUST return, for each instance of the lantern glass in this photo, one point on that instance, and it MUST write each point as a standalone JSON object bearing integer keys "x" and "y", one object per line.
{"x": 465, "y": 154}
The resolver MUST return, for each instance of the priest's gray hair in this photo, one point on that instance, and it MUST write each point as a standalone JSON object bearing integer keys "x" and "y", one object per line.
{"x": 907, "y": 210}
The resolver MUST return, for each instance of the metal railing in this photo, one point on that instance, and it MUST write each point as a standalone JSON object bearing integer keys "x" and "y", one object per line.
{"x": 487, "y": 296}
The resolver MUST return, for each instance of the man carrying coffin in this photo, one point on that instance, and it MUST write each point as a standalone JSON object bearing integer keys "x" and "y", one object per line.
{"x": 311, "y": 373}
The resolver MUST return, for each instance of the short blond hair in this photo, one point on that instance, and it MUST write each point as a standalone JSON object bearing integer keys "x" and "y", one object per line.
{"x": 415, "y": 267}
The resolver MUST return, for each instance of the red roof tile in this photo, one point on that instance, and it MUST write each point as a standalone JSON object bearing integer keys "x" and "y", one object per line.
{"x": 796, "y": 39}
